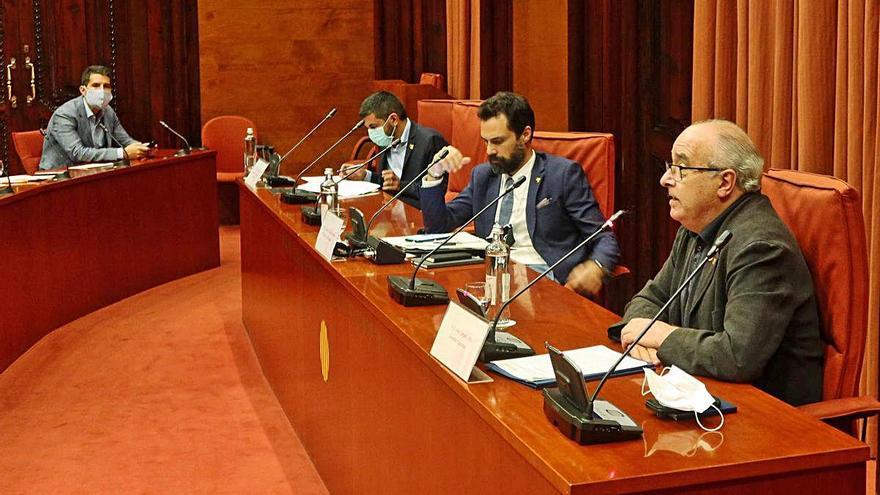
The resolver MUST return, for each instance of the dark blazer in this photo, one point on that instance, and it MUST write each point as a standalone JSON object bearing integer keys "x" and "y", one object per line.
{"x": 422, "y": 145}
{"x": 570, "y": 214}
{"x": 68, "y": 139}
{"x": 752, "y": 312}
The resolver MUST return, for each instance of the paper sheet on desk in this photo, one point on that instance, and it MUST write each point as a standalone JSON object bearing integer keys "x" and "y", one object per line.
{"x": 426, "y": 242}
{"x": 347, "y": 188}
{"x": 20, "y": 179}
{"x": 89, "y": 166}
{"x": 594, "y": 361}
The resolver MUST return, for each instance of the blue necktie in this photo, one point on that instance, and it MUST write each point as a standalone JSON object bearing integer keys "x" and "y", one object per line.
{"x": 507, "y": 210}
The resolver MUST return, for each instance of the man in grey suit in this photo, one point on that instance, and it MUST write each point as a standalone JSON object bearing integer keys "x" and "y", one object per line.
{"x": 77, "y": 131}
{"x": 750, "y": 315}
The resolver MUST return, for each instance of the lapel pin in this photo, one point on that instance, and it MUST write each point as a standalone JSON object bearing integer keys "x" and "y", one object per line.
{"x": 412, "y": 146}
{"x": 538, "y": 179}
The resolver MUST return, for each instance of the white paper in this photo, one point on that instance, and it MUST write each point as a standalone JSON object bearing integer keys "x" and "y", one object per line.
{"x": 89, "y": 166}
{"x": 591, "y": 360}
{"x": 257, "y": 171}
{"x": 347, "y": 188}
{"x": 426, "y": 242}
{"x": 331, "y": 228}
{"x": 460, "y": 339}
{"x": 21, "y": 179}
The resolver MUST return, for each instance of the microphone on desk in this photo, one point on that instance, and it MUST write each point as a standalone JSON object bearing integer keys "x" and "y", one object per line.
{"x": 359, "y": 238}
{"x": 4, "y": 171}
{"x": 126, "y": 161}
{"x": 187, "y": 149}
{"x": 412, "y": 291}
{"x": 613, "y": 424}
{"x": 294, "y": 197}
{"x": 275, "y": 180}
{"x": 504, "y": 345}
{"x": 312, "y": 214}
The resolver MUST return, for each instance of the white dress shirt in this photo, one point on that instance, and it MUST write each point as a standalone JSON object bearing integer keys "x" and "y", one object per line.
{"x": 98, "y": 135}
{"x": 522, "y": 251}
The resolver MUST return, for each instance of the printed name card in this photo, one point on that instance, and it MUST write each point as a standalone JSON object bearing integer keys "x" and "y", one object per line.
{"x": 331, "y": 228}
{"x": 460, "y": 340}
{"x": 257, "y": 171}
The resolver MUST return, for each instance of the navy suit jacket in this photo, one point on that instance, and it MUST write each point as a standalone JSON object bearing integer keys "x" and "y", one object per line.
{"x": 569, "y": 215}
{"x": 423, "y": 143}
{"x": 69, "y": 140}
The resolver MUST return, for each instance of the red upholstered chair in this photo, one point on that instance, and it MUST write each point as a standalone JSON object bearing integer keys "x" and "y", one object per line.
{"x": 594, "y": 151}
{"x": 825, "y": 215}
{"x": 29, "y": 147}
{"x": 431, "y": 79}
{"x": 226, "y": 135}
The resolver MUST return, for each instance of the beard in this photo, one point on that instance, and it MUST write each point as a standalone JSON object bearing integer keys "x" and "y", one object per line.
{"x": 510, "y": 164}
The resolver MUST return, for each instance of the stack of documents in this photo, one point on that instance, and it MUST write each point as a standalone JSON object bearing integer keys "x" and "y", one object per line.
{"x": 20, "y": 179}
{"x": 463, "y": 241}
{"x": 537, "y": 372}
{"x": 347, "y": 188}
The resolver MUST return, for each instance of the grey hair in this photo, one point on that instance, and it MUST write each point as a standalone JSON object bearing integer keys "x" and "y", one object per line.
{"x": 735, "y": 150}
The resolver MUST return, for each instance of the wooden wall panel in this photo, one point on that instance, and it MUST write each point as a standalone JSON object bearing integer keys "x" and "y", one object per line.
{"x": 284, "y": 65}
{"x": 540, "y": 55}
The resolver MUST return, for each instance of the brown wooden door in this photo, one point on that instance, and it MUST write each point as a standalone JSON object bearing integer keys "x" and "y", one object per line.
{"x": 151, "y": 49}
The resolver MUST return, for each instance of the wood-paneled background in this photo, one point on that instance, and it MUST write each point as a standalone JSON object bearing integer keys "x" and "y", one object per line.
{"x": 284, "y": 65}
{"x": 151, "y": 48}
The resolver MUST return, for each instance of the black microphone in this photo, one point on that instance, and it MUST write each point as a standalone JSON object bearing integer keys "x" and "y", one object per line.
{"x": 294, "y": 197}
{"x": 187, "y": 149}
{"x": 504, "y": 345}
{"x": 411, "y": 291}
{"x": 273, "y": 178}
{"x": 361, "y": 165}
{"x": 3, "y": 171}
{"x": 124, "y": 153}
{"x": 613, "y": 425}
{"x": 360, "y": 236}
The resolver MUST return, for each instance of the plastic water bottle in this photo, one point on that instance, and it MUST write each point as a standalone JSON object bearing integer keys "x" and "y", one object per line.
{"x": 329, "y": 197}
{"x": 250, "y": 150}
{"x": 498, "y": 275}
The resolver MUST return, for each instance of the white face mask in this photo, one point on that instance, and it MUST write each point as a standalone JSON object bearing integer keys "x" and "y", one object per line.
{"x": 679, "y": 390}
{"x": 98, "y": 98}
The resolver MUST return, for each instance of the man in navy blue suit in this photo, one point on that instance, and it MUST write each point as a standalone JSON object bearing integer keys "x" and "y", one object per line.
{"x": 549, "y": 217}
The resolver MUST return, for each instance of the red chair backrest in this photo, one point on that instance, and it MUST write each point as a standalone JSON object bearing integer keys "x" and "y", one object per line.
{"x": 825, "y": 215}
{"x": 226, "y": 135}
{"x": 29, "y": 148}
{"x": 432, "y": 79}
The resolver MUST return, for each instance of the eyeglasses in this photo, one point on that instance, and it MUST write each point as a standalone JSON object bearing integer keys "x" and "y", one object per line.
{"x": 675, "y": 170}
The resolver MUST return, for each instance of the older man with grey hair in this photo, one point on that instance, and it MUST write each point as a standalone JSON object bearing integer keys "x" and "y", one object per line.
{"x": 750, "y": 315}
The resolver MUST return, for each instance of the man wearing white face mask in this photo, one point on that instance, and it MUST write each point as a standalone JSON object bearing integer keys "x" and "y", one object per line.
{"x": 77, "y": 131}
{"x": 385, "y": 119}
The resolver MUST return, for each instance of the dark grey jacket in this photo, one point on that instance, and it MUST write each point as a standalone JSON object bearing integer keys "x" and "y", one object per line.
{"x": 752, "y": 314}
{"x": 69, "y": 140}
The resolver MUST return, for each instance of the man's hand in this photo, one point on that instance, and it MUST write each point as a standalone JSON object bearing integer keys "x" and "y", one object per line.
{"x": 645, "y": 354}
{"x": 452, "y": 163}
{"x": 136, "y": 150}
{"x": 585, "y": 279}
{"x": 390, "y": 182}
{"x": 348, "y": 167}
{"x": 652, "y": 340}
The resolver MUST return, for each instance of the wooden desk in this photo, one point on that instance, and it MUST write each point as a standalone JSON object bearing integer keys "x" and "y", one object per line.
{"x": 382, "y": 416}
{"x": 73, "y": 246}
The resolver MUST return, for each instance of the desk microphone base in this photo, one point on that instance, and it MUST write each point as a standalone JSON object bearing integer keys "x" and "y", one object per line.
{"x": 311, "y": 215}
{"x": 293, "y": 197}
{"x": 504, "y": 345}
{"x": 574, "y": 424}
{"x": 424, "y": 293}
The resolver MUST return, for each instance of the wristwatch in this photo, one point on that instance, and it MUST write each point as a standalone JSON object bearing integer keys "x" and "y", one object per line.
{"x": 605, "y": 271}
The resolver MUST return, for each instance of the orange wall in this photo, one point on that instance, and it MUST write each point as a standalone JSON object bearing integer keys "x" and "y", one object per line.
{"x": 540, "y": 55}
{"x": 284, "y": 64}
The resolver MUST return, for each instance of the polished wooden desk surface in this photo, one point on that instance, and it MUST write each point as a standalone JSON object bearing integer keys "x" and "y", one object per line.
{"x": 73, "y": 246}
{"x": 766, "y": 438}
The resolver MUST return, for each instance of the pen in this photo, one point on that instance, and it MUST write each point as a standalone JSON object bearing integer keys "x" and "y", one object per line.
{"x": 429, "y": 239}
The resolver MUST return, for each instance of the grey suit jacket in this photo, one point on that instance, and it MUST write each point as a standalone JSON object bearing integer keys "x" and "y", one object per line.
{"x": 69, "y": 139}
{"x": 752, "y": 313}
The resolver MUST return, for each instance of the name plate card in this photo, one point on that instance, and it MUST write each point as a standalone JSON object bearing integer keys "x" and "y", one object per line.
{"x": 257, "y": 171}
{"x": 331, "y": 228}
{"x": 459, "y": 341}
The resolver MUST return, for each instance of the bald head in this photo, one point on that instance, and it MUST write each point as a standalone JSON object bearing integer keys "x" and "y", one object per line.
{"x": 723, "y": 144}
